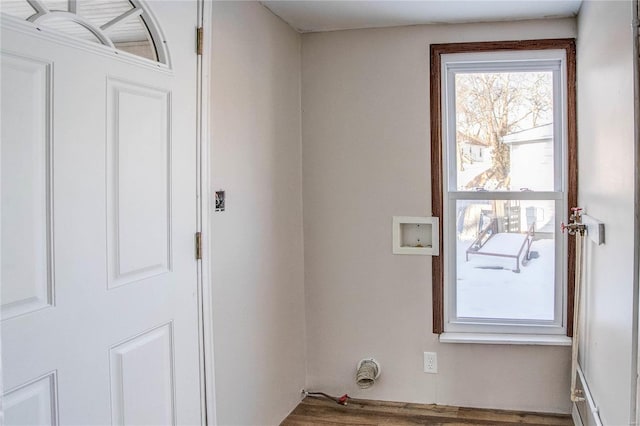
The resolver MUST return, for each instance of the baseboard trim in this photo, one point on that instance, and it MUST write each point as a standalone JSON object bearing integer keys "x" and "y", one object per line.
{"x": 587, "y": 408}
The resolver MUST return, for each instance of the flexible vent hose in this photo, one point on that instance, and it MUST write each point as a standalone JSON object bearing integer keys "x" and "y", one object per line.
{"x": 368, "y": 372}
{"x": 342, "y": 400}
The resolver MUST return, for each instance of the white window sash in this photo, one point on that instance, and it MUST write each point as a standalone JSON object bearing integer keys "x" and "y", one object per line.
{"x": 544, "y": 60}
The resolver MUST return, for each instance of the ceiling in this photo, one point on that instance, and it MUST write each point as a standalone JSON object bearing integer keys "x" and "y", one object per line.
{"x": 329, "y": 15}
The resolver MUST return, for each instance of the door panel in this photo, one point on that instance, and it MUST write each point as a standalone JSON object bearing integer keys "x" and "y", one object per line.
{"x": 108, "y": 186}
{"x": 142, "y": 370}
{"x": 138, "y": 181}
{"x": 25, "y": 183}
{"x": 33, "y": 403}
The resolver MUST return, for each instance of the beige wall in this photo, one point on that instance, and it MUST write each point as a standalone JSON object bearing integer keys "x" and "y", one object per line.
{"x": 258, "y": 291}
{"x": 606, "y": 191}
{"x": 365, "y": 159}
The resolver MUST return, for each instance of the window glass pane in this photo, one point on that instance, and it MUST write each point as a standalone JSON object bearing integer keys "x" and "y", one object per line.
{"x": 17, "y": 8}
{"x": 504, "y": 131}
{"x": 99, "y": 12}
{"x": 135, "y": 38}
{"x": 61, "y": 5}
{"x": 130, "y": 34}
{"x": 505, "y": 259}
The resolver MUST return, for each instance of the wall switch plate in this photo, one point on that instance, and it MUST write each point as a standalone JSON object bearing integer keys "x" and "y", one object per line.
{"x": 430, "y": 362}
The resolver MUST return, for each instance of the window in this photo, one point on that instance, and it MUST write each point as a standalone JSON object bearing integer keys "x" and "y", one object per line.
{"x": 119, "y": 24}
{"x": 503, "y": 176}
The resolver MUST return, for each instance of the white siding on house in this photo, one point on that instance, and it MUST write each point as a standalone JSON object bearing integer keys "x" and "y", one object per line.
{"x": 531, "y": 162}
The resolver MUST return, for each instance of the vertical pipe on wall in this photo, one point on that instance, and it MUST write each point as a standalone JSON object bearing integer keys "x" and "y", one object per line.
{"x": 576, "y": 395}
{"x": 635, "y": 385}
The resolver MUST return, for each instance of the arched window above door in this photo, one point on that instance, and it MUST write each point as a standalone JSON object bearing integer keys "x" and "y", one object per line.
{"x": 121, "y": 24}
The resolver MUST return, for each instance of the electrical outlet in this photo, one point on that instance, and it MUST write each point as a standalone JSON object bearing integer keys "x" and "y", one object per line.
{"x": 430, "y": 362}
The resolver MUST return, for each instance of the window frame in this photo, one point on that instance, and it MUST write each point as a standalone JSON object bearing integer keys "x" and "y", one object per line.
{"x": 439, "y": 166}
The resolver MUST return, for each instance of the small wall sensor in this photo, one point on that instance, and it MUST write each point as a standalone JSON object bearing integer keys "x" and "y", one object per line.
{"x": 220, "y": 205}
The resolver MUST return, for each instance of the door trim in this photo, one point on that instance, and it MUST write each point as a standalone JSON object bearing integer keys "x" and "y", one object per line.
{"x": 207, "y": 386}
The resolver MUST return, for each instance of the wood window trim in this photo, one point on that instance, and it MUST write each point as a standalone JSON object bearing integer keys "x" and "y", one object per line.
{"x": 437, "y": 50}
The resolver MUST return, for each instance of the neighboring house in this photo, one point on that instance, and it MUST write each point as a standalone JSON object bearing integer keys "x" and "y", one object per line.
{"x": 531, "y": 155}
{"x": 474, "y": 151}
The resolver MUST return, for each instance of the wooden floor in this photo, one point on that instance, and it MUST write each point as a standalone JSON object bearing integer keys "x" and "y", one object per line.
{"x": 313, "y": 411}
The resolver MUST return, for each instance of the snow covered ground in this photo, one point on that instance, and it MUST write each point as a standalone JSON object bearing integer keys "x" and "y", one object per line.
{"x": 484, "y": 290}
{"x": 471, "y": 171}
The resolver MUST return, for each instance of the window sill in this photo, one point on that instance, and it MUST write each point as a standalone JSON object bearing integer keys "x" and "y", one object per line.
{"x": 506, "y": 339}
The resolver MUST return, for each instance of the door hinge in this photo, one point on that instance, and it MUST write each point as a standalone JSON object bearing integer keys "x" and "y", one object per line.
{"x": 199, "y": 40}
{"x": 198, "y": 245}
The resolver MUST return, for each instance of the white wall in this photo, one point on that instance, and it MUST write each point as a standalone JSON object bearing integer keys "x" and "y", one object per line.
{"x": 365, "y": 159}
{"x": 257, "y": 243}
{"x": 606, "y": 191}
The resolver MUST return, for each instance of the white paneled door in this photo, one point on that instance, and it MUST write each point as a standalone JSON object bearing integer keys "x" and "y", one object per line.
{"x": 99, "y": 299}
